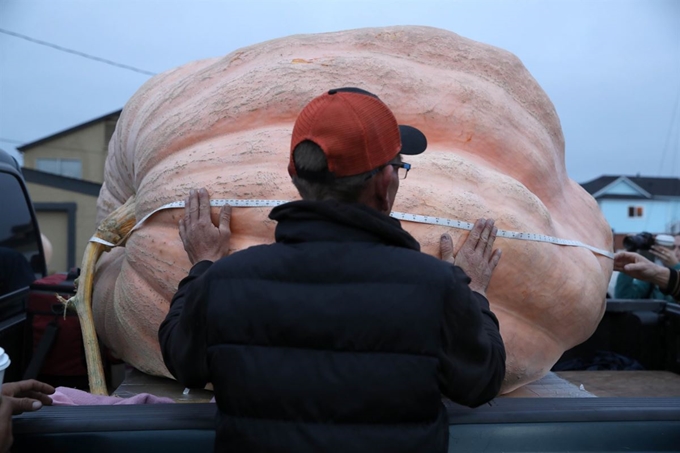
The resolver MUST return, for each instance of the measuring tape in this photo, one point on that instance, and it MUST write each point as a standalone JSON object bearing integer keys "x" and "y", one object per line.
{"x": 430, "y": 220}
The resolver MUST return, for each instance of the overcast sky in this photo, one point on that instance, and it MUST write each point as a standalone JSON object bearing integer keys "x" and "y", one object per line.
{"x": 611, "y": 67}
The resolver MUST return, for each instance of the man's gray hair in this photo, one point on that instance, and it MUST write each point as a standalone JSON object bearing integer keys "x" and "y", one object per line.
{"x": 310, "y": 157}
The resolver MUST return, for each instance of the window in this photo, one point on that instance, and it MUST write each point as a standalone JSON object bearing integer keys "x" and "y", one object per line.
{"x": 635, "y": 211}
{"x": 71, "y": 168}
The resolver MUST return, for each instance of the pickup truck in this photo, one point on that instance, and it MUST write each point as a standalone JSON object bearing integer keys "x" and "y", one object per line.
{"x": 646, "y": 331}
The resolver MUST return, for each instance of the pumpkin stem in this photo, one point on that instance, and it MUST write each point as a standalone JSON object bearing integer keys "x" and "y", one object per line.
{"x": 114, "y": 229}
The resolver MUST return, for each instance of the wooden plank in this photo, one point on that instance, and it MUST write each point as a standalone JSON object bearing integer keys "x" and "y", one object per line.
{"x": 136, "y": 382}
{"x": 562, "y": 384}
{"x": 550, "y": 386}
{"x": 625, "y": 383}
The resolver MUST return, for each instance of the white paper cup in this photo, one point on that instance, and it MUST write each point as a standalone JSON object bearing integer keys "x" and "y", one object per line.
{"x": 4, "y": 364}
{"x": 664, "y": 240}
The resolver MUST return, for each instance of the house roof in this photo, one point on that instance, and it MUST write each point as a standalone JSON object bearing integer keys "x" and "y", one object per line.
{"x": 27, "y": 146}
{"x": 664, "y": 187}
{"x": 61, "y": 182}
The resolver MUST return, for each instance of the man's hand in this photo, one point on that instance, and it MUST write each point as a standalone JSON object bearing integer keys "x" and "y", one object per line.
{"x": 637, "y": 266}
{"x": 201, "y": 238}
{"x": 19, "y": 397}
{"x": 475, "y": 254}
{"x": 665, "y": 254}
{"x": 26, "y": 396}
{"x": 6, "y": 438}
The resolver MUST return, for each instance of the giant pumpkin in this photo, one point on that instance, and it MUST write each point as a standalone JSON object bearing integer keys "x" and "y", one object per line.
{"x": 496, "y": 150}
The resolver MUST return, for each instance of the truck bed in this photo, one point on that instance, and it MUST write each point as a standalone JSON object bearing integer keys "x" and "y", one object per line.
{"x": 566, "y": 411}
{"x": 551, "y": 415}
{"x": 504, "y": 425}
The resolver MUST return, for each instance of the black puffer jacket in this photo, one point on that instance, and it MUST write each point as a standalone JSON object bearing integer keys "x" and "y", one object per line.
{"x": 341, "y": 337}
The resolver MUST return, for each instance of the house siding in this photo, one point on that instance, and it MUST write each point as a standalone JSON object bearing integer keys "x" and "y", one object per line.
{"x": 88, "y": 145}
{"x": 85, "y": 207}
{"x": 66, "y": 207}
{"x": 658, "y": 215}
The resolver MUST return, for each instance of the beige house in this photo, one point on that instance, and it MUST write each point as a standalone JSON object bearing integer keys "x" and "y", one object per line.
{"x": 64, "y": 173}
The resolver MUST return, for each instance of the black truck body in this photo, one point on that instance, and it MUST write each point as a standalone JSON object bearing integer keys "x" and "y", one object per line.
{"x": 20, "y": 249}
{"x": 505, "y": 425}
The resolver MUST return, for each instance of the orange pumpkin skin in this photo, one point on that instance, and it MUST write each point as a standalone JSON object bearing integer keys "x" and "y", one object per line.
{"x": 495, "y": 150}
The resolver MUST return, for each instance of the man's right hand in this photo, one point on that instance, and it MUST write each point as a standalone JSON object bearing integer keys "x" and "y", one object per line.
{"x": 474, "y": 254}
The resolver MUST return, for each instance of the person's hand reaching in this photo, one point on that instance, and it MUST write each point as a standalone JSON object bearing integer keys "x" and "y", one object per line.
{"x": 201, "y": 238}
{"x": 474, "y": 254}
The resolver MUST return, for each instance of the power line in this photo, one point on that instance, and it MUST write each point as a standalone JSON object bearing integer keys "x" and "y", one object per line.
{"x": 9, "y": 140}
{"x": 75, "y": 52}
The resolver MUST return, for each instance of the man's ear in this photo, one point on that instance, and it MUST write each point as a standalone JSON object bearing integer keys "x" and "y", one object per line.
{"x": 382, "y": 184}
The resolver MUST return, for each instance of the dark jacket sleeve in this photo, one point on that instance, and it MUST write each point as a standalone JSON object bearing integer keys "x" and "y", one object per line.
{"x": 673, "y": 286}
{"x": 182, "y": 335}
{"x": 472, "y": 362}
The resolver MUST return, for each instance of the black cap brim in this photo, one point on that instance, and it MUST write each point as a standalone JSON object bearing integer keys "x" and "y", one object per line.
{"x": 412, "y": 140}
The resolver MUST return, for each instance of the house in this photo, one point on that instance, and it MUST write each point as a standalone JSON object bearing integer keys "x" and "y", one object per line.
{"x": 64, "y": 174}
{"x": 633, "y": 204}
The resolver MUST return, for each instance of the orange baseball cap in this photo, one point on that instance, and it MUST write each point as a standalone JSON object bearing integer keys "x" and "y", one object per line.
{"x": 356, "y": 131}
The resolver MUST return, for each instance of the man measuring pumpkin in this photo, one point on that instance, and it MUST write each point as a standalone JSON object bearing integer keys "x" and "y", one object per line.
{"x": 340, "y": 336}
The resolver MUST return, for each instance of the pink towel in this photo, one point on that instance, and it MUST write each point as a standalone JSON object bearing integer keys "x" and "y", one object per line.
{"x": 64, "y": 396}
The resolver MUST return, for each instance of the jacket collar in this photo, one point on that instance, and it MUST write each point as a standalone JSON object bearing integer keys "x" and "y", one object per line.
{"x": 335, "y": 221}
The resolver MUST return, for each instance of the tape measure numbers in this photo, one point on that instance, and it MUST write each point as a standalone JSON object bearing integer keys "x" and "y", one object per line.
{"x": 451, "y": 223}
{"x": 501, "y": 233}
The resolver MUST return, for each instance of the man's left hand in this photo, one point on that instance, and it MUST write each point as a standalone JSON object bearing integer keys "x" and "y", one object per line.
{"x": 201, "y": 238}
{"x": 17, "y": 398}
{"x": 474, "y": 254}
{"x": 665, "y": 254}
